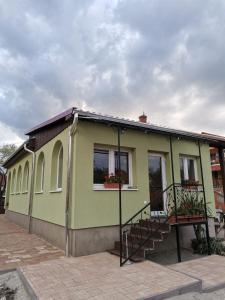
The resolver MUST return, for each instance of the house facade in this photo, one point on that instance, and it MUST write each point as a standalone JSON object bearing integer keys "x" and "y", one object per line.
{"x": 56, "y": 179}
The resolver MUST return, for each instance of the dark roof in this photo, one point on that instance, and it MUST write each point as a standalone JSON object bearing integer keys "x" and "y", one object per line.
{"x": 148, "y": 127}
{"x": 100, "y": 118}
{"x": 214, "y": 136}
{"x": 212, "y": 139}
{"x": 51, "y": 121}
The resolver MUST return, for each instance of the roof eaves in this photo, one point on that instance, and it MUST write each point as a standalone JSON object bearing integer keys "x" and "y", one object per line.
{"x": 21, "y": 147}
{"x": 141, "y": 126}
{"x": 51, "y": 121}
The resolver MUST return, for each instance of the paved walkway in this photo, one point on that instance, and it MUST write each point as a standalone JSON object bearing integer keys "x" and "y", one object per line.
{"x": 18, "y": 248}
{"x": 216, "y": 295}
{"x": 209, "y": 269}
{"x": 99, "y": 276}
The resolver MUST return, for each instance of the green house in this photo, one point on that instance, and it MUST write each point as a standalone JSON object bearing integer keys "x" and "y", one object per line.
{"x": 80, "y": 175}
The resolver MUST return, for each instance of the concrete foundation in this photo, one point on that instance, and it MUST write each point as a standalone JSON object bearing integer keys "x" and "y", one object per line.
{"x": 82, "y": 242}
{"x": 17, "y": 218}
{"x": 93, "y": 240}
{"x": 53, "y": 233}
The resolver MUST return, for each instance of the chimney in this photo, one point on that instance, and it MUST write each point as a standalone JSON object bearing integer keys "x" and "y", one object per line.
{"x": 143, "y": 118}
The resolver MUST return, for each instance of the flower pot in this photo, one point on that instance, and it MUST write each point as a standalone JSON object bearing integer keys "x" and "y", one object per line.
{"x": 111, "y": 185}
{"x": 185, "y": 218}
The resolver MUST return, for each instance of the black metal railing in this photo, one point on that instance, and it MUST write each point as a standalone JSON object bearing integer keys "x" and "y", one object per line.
{"x": 186, "y": 203}
{"x": 183, "y": 203}
{"x": 135, "y": 235}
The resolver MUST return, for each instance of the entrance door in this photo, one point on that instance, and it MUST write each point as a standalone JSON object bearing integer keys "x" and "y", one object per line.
{"x": 157, "y": 183}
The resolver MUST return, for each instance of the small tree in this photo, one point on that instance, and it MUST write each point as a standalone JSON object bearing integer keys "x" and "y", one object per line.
{"x": 5, "y": 151}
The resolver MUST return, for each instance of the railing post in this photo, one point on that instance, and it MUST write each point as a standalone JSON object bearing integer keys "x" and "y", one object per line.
{"x": 204, "y": 198}
{"x": 173, "y": 178}
{"x": 120, "y": 195}
{"x": 175, "y": 203}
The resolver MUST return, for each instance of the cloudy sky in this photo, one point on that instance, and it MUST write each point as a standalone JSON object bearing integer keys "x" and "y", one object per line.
{"x": 120, "y": 57}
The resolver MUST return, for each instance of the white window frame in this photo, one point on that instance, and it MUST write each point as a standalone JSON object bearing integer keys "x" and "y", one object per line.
{"x": 111, "y": 166}
{"x": 185, "y": 160}
{"x": 42, "y": 175}
{"x": 57, "y": 178}
{"x": 25, "y": 182}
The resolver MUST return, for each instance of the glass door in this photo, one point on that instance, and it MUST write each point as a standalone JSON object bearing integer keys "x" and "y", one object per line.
{"x": 157, "y": 183}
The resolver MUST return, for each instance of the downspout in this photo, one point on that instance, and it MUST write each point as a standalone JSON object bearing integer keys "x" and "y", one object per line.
{"x": 72, "y": 131}
{"x": 31, "y": 195}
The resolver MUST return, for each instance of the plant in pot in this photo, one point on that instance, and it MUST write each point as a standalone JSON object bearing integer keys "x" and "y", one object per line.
{"x": 111, "y": 181}
{"x": 190, "y": 207}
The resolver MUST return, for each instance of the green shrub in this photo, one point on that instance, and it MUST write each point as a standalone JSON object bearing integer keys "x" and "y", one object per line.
{"x": 200, "y": 246}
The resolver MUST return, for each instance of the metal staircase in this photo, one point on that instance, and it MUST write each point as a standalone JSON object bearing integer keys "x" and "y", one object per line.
{"x": 143, "y": 233}
{"x": 141, "y": 238}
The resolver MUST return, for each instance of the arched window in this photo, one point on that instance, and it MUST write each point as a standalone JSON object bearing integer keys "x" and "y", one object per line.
{"x": 40, "y": 173}
{"x": 8, "y": 189}
{"x": 13, "y": 185}
{"x": 57, "y": 166}
{"x": 19, "y": 180}
{"x": 26, "y": 177}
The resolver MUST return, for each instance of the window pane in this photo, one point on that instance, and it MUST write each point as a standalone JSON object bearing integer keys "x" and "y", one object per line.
{"x": 42, "y": 174}
{"x": 101, "y": 165}
{"x": 60, "y": 168}
{"x": 182, "y": 170}
{"x": 191, "y": 169}
{"x": 155, "y": 182}
{"x": 123, "y": 166}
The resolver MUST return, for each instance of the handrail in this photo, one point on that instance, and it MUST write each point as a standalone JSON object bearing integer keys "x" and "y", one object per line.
{"x": 136, "y": 241}
{"x": 143, "y": 208}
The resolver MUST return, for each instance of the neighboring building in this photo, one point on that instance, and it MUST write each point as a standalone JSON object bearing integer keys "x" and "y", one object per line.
{"x": 217, "y": 180}
{"x": 73, "y": 153}
{"x": 216, "y": 168}
{"x": 2, "y": 191}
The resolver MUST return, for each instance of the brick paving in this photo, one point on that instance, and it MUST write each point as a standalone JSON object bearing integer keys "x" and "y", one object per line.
{"x": 99, "y": 276}
{"x": 209, "y": 269}
{"x": 18, "y": 248}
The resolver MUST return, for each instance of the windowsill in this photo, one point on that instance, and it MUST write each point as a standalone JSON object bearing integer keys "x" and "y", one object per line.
{"x": 41, "y": 192}
{"x": 56, "y": 191}
{"x": 122, "y": 189}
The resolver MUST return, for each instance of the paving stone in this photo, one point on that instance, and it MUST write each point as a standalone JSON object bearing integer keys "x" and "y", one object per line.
{"x": 209, "y": 269}
{"x": 18, "y": 248}
{"x": 99, "y": 276}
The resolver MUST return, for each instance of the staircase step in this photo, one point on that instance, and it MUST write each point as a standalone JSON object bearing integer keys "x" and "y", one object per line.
{"x": 131, "y": 247}
{"x": 134, "y": 258}
{"x": 155, "y": 225}
{"x": 145, "y": 232}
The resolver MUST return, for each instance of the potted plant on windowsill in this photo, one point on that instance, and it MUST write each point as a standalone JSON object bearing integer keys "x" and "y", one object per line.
{"x": 112, "y": 182}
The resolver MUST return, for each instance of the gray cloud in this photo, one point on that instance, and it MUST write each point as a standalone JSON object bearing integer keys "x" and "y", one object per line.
{"x": 118, "y": 57}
